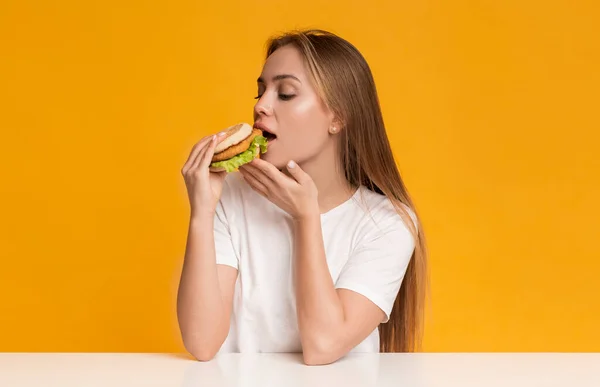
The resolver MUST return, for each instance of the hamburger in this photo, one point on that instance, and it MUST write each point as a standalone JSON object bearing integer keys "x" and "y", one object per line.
{"x": 241, "y": 144}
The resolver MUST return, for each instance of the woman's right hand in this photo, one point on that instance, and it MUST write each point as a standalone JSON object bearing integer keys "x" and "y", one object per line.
{"x": 204, "y": 184}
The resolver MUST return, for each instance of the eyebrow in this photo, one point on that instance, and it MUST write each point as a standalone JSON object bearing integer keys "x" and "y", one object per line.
{"x": 279, "y": 77}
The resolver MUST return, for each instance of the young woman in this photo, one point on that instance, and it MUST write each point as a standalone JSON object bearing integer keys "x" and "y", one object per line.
{"x": 315, "y": 247}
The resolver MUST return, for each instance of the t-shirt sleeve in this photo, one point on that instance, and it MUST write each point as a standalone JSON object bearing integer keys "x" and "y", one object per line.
{"x": 377, "y": 265}
{"x": 225, "y": 253}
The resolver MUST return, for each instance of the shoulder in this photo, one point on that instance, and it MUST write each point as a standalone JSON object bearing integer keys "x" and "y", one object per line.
{"x": 381, "y": 218}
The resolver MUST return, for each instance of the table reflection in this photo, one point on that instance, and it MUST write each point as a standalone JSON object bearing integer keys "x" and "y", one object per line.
{"x": 277, "y": 370}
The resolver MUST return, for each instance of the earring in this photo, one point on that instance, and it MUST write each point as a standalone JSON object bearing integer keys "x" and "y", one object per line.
{"x": 333, "y": 130}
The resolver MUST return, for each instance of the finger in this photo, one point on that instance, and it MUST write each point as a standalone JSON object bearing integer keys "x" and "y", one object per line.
{"x": 297, "y": 173}
{"x": 198, "y": 149}
{"x": 216, "y": 170}
{"x": 269, "y": 170}
{"x": 221, "y": 175}
{"x": 208, "y": 154}
{"x": 254, "y": 183}
{"x": 258, "y": 175}
{"x": 200, "y": 156}
{"x": 215, "y": 140}
{"x": 212, "y": 142}
{"x": 194, "y": 153}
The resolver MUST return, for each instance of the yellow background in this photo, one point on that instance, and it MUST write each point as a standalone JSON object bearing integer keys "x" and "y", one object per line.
{"x": 491, "y": 107}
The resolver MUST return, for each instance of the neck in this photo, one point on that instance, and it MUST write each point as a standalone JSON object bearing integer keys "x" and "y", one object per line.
{"x": 329, "y": 178}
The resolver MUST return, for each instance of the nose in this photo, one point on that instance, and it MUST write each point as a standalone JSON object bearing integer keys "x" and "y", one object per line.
{"x": 262, "y": 108}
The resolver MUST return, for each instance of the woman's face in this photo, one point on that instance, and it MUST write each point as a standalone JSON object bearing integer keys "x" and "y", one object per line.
{"x": 289, "y": 108}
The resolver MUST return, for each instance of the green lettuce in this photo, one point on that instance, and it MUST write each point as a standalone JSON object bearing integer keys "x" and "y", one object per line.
{"x": 258, "y": 144}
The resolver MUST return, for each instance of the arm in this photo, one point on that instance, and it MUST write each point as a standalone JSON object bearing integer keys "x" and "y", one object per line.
{"x": 331, "y": 321}
{"x": 205, "y": 295}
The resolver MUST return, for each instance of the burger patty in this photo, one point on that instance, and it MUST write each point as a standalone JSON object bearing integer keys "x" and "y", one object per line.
{"x": 238, "y": 148}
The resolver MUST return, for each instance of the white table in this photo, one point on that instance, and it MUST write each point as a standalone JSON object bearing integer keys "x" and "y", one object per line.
{"x": 282, "y": 370}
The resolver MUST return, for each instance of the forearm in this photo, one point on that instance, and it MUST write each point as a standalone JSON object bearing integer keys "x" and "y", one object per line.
{"x": 320, "y": 312}
{"x": 200, "y": 307}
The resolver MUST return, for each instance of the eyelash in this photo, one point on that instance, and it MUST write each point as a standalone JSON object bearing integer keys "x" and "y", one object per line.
{"x": 283, "y": 97}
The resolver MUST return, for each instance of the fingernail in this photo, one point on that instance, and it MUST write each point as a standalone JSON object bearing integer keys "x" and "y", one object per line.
{"x": 214, "y": 138}
{"x": 291, "y": 164}
{"x": 221, "y": 134}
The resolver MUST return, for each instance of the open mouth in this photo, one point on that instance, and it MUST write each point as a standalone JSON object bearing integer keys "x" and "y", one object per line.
{"x": 269, "y": 136}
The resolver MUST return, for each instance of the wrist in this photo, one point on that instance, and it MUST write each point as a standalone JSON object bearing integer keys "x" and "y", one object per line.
{"x": 202, "y": 216}
{"x": 308, "y": 216}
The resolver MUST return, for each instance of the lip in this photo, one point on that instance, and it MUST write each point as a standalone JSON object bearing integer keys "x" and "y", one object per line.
{"x": 261, "y": 126}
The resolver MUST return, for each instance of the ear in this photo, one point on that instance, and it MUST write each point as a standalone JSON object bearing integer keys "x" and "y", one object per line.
{"x": 336, "y": 126}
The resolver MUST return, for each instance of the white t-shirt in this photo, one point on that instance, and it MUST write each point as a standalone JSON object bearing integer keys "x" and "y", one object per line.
{"x": 366, "y": 251}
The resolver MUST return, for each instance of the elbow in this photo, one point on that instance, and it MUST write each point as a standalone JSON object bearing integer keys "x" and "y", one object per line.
{"x": 315, "y": 358}
{"x": 203, "y": 355}
{"x": 321, "y": 352}
{"x": 201, "y": 350}
{"x": 204, "y": 346}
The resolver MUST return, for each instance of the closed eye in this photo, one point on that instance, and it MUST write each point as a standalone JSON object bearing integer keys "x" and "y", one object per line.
{"x": 286, "y": 97}
{"x": 283, "y": 97}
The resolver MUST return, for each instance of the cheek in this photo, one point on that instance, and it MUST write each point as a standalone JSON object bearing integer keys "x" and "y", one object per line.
{"x": 304, "y": 126}
{"x": 306, "y": 117}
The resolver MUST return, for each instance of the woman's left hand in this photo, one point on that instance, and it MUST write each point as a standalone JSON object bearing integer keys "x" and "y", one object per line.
{"x": 298, "y": 196}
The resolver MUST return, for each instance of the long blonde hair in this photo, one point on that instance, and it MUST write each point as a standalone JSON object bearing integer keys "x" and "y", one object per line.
{"x": 345, "y": 83}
